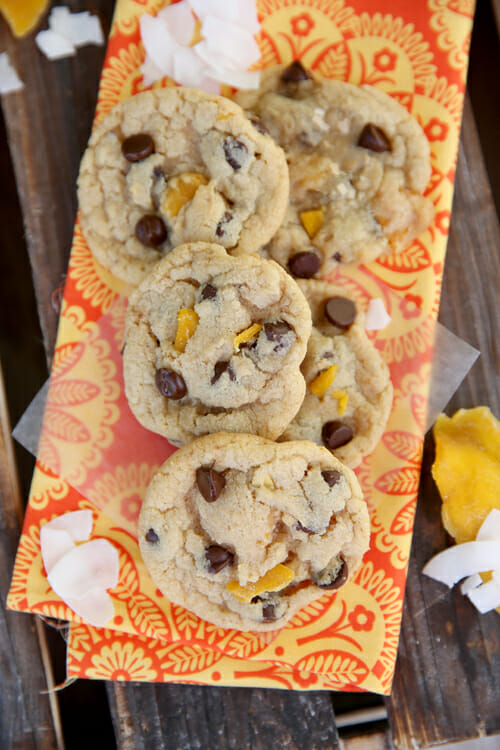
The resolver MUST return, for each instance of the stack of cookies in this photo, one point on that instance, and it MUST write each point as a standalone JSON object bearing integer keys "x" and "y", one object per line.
{"x": 235, "y": 350}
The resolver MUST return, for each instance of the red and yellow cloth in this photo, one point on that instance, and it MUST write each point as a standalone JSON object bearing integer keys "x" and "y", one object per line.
{"x": 93, "y": 454}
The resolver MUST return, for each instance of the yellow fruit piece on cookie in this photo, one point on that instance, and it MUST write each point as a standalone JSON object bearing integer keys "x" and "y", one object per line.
{"x": 187, "y": 320}
{"x": 23, "y": 15}
{"x": 180, "y": 190}
{"x": 274, "y": 580}
{"x": 467, "y": 469}
{"x": 323, "y": 381}
{"x": 342, "y": 399}
{"x": 312, "y": 221}
{"x": 246, "y": 335}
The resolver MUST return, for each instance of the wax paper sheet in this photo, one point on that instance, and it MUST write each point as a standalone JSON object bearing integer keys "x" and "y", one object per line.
{"x": 417, "y": 52}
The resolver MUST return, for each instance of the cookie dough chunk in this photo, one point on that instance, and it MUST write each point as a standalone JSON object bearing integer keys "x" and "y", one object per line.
{"x": 214, "y": 343}
{"x": 177, "y": 165}
{"x": 358, "y": 164}
{"x": 244, "y": 532}
{"x": 349, "y": 392}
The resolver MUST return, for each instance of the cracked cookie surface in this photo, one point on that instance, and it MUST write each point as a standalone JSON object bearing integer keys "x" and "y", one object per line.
{"x": 176, "y": 165}
{"x": 348, "y": 388}
{"x": 359, "y": 164}
{"x": 244, "y": 531}
{"x": 214, "y": 343}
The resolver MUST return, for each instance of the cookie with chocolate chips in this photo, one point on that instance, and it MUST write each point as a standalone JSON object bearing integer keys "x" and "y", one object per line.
{"x": 359, "y": 164}
{"x": 349, "y": 392}
{"x": 244, "y": 531}
{"x": 215, "y": 342}
{"x": 177, "y": 165}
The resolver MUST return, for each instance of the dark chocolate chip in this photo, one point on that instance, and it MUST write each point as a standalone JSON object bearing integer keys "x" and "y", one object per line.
{"x": 335, "y": 434}
{"x": 337, "y": 257}
{"x": 170, "y": 383}
{"x": 374, "y": 139}
{"x": 235, "y": 152}
{"x": 138, "y": 147}
{"x": 152, "y": 537}
{"x": 208, "y": 292}
{"x": 259, "y": 125}
{"x": 218, "y": 557}
{"x": 226, "y": 218}
{"x": 157, "y": 172}
{"x": 338, "y": 579}
{"x": 276, "y": 332}
{"x": 304, "y": 265}
{"x": 210, "y": 483}
{"x": 295, "y": 73}
{"x": 340, "y": 311}
{"x": 331, "y": 476}
{"x": 300, "y": 527}
{"x": 268, "y": 613}
{"x": 220, "y": 368}
{"x": 151, "y": 230}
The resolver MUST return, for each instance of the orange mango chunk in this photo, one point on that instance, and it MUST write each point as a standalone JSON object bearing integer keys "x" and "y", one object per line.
{"x": 342, "y": 399}
{"x": 187, "y": 320}
{"x": 274, "y": 580}
{"x": 323, "y": 381}
{"x": 312, "y": 221}
{"x": 467, "y": 469}
{"x": 23, "y": 15}
{"x": 246, "y": 335}
{"x": 180, "y": 190}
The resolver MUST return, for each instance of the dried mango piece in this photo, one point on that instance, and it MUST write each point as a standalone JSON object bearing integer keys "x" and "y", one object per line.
{"x": 323, "y": 381}
{"x": 342, "y": 399}
{"x": 246, "y": 335}
{"x": 187, "y": 320}
{"x": 467, "y": 469}
{"x": 23, "y": 15}
{"x": 180, "y": 190}
{"x": 274, "y": 580}
{"x": 312, "y": 221}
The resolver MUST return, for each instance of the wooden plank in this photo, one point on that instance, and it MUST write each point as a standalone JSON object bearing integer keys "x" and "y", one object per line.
{"x": 156, "y": 717}
{"x": 28, "y": 717}
{"x": 448, "y": 652}
{"x": 48, "y": 125}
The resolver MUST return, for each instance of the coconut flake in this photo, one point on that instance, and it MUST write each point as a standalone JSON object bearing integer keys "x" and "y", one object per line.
{"x": 240, "y": 79}
{"x": 231, "y": 41}
{"x": 53, "y": 45}
{"x": 79, "y": 28}
{"x": 241, "y": 12}
{"x": 470, "y": 583}
{"x": 96, "y": 607}
{"x": 9, "y": 80}
{"x": 54, "y": 543}
{"x": 150, "y": 72}
{"x": 92, "y": 565}
{"x": 78, "y": 524}
{"x": 179, "y": 21}
{"x": 490, "y": 528}
{"x": 485, "y": 597}
{"x": 188, "y": 68}
{"x": 158, "y": 43}
{"x": 463, "y": 560}
{"x": 376, "y": 316}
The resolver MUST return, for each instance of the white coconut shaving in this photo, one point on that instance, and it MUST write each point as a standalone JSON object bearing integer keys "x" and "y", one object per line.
{"x": 469, "y": 560}
{"x": 9, "y": 80}
{"x": 376, "y": 316}
{"x": 80, "y": 573}
{"x": 223, "y": 55}
{"x": 67, "y": 32}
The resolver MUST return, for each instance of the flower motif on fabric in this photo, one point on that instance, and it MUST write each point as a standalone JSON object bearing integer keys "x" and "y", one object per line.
{"x": 411, "y": 305}
{"x": 385, "y": 60}
{"x": 436, "y": 130}
{"x": 302, "y": 25}
{"x": 361, "y": 618}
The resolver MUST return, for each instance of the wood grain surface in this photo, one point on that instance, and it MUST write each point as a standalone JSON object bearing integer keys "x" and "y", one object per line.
{"x": 447, "y": 678}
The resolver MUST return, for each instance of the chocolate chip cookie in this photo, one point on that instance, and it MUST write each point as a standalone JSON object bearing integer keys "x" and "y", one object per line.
{"x": 349, "y": 392}
{"x": 358, "y": 163}
{"x": 214, "y": 343}
{"x": 176, "y": 165}
{"x": 244, "y": 531}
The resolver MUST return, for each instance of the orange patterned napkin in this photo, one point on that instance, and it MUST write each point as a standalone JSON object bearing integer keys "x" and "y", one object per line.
{"x": 93, "y": 453}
